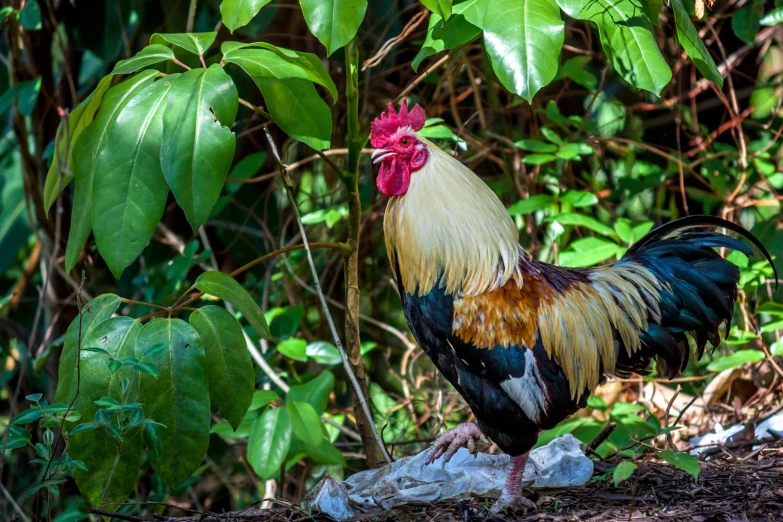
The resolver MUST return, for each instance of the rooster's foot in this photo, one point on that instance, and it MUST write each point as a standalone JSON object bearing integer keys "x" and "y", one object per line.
{"x": 513, "y": 496}
{"x": 466, "y": 434}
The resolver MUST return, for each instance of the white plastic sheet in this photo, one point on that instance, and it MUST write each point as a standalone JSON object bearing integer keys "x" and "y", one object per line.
{"x": 771, "y": 427}
{"x": 561, "y": 463}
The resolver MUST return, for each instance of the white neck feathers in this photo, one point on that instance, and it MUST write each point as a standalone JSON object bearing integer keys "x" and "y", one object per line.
{"x": 451, "y": 230}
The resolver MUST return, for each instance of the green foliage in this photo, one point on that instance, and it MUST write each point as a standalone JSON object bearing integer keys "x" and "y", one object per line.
{"x": 237, "y": 13}
{"x": 178, "y": 398}
{"x": 333, "y": 22}
{"x": 623, "y": 471}
{"x": 198, "y": 146}
{"x": 223, "y": 286}
{"x": 269, "y": 441}
{"x": 515, "y": 34}
{"x": 229, "y": 367}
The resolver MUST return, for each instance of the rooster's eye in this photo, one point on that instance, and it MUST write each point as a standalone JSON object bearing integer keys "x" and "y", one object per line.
{"x": 404, "y": 141}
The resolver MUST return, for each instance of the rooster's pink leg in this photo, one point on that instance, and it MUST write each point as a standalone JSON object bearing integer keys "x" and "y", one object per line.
{"x": 466, "y": 434}
{"x": 512, "y": 493}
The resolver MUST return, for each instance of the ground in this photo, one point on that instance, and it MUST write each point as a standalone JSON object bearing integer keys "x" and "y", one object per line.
{"x": 737, "y": 488}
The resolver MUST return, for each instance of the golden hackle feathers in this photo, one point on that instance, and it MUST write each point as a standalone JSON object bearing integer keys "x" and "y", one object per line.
{"x": 449, "y": 229}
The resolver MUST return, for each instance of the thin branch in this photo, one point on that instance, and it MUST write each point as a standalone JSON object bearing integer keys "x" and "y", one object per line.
{"x": 354, "y": 383}
{"x": 257, "y": 110}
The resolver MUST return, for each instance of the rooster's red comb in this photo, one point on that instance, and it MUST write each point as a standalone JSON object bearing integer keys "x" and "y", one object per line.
{"x": 388, "y": 123}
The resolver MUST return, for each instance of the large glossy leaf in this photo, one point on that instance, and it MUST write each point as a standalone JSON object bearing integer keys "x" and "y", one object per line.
{"x": 66, "y": 136}
{"x": 311, "y": 65}
{"x": 198, "y": 145}
{"x": 693, "y": 45}
{"x": 85, "y": 155}
{"x": 627, "y": 38}
{"x": 237, "y": 13}
{"x": 225, "y": 287}
{"x": 305, "y": 423}
{"x": 447, "y": 35}
{"x": 178, "y": 398}
{"x": 97, "y": 449}
{"x": 93, "y": 313}
{"x": 442, "y": 8}
{"x": 14, "y": 225}
{"x": 333, "y": 22}
{"x": 746, "y": 21}
{"x": 290, "y": 96}
{"x": 269, "y": 441}
{"x": 315, "y": 392}
{"x": 229, "y": 368}
{"x": 129, "y": 190}
{"x": 196, "y": 43}
{"x": 150, "y": 55}
{"x": 523, "y": 40}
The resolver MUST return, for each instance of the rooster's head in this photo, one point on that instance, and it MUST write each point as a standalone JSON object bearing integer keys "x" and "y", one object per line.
{"x": 398, "y": 148}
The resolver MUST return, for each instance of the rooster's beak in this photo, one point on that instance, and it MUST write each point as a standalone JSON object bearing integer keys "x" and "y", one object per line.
{"x": 381, "y": 154}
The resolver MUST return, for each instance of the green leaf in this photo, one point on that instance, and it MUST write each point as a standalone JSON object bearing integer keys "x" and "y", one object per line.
{"x": 315, "y": 392}
{"x": 538, "y": 159}
{"x": 772, "y": 18}
{"x": 443, "y": 36}
{"x": 290, "y": 96}
{"x": 99, "y": 388}
{"x": 764, "y": 101}
{"x": 129, "y": 190}
{"x": 738, "y": 358}
{"x": 229, "y": 368}
{"x": 198, "y": 146}
{"x": 623, "y": 472}
{"x": 28, "y": 416}
{"x": 78, "y": 120}
{"x": 574, "y": 68}
{"x": 35, "y": 397}
{"x": 17, "y": 438}
{"x": 531, "y": 204}
{"x": 238, "y": 13}
{"x": 523, "y": 41}
{"x": 153, "y": 439}
{"x": 30, "y": 16}
{"x": 683, "y": 461}
{"x": 693, "y": 45}
{"x": 150, "y": 55}
{"x": 293, "y": 348}
{"x": 333, "y": 22}
{"x": 196, "y": 43}
{"x": 578, "y": 198}
{"x": 305, "y": 423}
{"x": 85, "y": 159}
{"x": 323, "y": 352}
{"x": 325, "y": 454}
{"x": 441, "y": 8}
{"x": 223, "y": 286}
{"x": 114, "y": 366}
{"x": 589, "y": 251}
{"x": 5, "y": 12}
{"x": 225, "y": 430}
{"x": 309, "y": 64}
{"x": 581, "y": 220}
{"x": 262, "y": 398}
{"x": 627, "y": 39}
{"x": 535, "y": 146}
{"x": 28, "y": 94}
{"x": 93, "y": 313}
{"x": 178, "y": 398}
{"x": 268, "y": 443}
{"x": 746, "y": 21}
{"x": 551, "y": 135}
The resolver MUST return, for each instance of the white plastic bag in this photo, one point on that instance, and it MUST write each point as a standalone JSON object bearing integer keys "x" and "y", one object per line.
{"x": 561, "y": 463}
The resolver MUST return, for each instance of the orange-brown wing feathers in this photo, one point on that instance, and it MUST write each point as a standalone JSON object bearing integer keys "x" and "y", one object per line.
{"x": 580, "y": 316}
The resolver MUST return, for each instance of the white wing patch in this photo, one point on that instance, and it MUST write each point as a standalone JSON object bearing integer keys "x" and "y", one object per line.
{"x": 528, "y": 391}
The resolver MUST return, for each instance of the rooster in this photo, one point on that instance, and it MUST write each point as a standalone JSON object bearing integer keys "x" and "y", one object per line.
{"x": 525, "y": 342}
